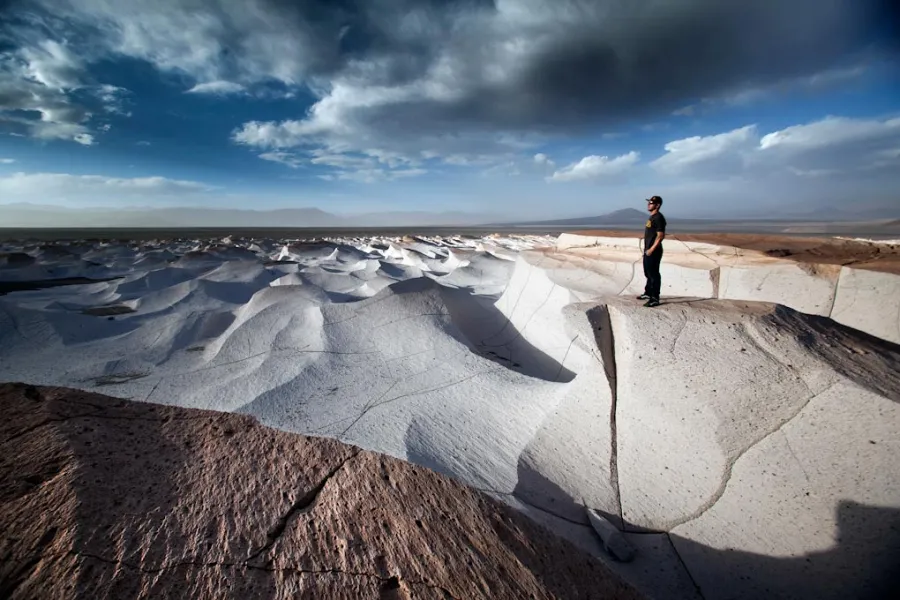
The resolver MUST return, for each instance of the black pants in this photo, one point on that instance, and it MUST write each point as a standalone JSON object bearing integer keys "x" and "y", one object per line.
{"x": 651, "y": 272}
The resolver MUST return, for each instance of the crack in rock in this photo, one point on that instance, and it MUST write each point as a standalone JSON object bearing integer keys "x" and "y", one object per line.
{"x": 388, "y": 581}
{"x": 726, "y": 476}
{"x": 684, "y": 566}
{"x": 601, "y": 321}
{"x": 301, "y": 505}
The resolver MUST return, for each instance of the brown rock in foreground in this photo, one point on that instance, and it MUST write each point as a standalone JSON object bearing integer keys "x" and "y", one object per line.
{"x": 107, "y": 498}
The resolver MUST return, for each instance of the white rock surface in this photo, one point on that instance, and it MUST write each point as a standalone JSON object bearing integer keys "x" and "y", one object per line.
{"x": 528, "y": 373}
{"x": 807, "y": 288}
{"x": 863, "y": 299}
{"x": 810, "y": 511}
{"x": 869, "y": 301}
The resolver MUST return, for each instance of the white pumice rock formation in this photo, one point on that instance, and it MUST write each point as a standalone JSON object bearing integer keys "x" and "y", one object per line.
{"x": 742, "y": 437}
{"x": 865, "y": 299}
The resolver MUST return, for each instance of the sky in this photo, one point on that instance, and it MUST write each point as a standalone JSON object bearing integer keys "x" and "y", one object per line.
{"x": 522, "y": 108}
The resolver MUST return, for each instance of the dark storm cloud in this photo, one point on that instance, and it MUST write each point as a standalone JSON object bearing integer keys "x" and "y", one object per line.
{"x": 631, "y": 63}
{"x": 393, "y": 70}
{"x": 632, "y": 59}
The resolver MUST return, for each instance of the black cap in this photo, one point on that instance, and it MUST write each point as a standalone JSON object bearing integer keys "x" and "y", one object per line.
{"x": 655, "y": 200}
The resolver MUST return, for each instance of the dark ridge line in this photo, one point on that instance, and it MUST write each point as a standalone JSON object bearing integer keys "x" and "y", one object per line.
{"x": 606, "y": 343}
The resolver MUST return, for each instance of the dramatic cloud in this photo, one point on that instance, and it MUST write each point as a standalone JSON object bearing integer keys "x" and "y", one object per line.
{"x": 596, "y": 167}
{"x": 466, "y": 76}
{"x": 62, "y": 186}
{"x": 37, "y": 82}
{"x": 819, "y": 149}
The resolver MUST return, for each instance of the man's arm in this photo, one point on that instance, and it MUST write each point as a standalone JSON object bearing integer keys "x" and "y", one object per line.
{"x": 659, "y": 238}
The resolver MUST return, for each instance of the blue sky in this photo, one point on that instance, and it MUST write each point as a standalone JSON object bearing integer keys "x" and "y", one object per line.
{"x": 515, "y": 107}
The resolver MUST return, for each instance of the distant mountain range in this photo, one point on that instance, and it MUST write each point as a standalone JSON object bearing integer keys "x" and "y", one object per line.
{"x": 625, "y": 216}
{"x": 23, "y": 215}
{"x": 34, "y": 215}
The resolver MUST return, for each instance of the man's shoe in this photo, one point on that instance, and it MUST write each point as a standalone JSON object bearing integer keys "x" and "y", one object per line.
{"x": 651, "y": 302}
{"x": 643, "y": 297}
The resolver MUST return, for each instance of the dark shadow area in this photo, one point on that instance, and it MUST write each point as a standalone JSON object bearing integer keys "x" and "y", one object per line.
{"x": 534, "y": 489}
{"x": 493, "y": 336}
{"x": 868, "y": 361}
{"x": 24, "y": 286}
{"x": 233, "y": 292}
{"x": 865, "y": 565}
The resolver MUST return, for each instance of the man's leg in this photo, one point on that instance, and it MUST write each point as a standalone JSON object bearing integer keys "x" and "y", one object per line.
{"x": 654, "y": 279}
{"x": 648, "y": 273}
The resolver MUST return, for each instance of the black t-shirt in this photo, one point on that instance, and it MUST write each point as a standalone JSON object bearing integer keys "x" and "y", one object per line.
{"x": 655, "y": 223}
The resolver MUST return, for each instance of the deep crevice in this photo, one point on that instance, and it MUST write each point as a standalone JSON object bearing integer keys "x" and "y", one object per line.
{"x": 601, "y": 322}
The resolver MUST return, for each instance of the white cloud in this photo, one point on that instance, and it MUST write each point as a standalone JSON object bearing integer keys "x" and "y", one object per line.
{"x": 85, "y": 139}
{"x": 49, "y": 187}
{"x": 343, "y": 161}
{"x": 113, "y": 98}
{"x": 270, "y": 134}
{"x": 7, "y": 161}
{"x": 285, "y": 158}
{"x": 596, "y": 167}
{"x": 375, "y": 175}
{"x": 820, "y": 149}
{"x": 220, "y": 88}
{"x": 830, "y": 132}
{"x": 39, "y": 78}
{"x": 52, "y": 64}
{"x": 543, "y": 160}
{"x": 505, "y": 169}
{"x": 720, "y": 151}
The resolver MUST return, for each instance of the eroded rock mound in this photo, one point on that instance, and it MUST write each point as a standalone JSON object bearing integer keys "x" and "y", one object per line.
{"x": 107, "y": 498}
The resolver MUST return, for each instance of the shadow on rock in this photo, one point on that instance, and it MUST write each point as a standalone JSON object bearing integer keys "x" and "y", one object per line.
{"x": 492, "y": 335}
{"x": 534, "y": 489}
{"x": 868, "y": 361}
{"x": 864, "y": 565}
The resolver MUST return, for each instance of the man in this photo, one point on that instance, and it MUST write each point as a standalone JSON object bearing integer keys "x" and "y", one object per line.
{"x": 654, "y": 232}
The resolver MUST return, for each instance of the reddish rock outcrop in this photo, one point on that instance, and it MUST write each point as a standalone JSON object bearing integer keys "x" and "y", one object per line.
{"x": 107, "y": 498}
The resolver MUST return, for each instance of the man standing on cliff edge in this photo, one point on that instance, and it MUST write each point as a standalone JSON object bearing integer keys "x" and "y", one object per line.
{"x": 654, "y": 232}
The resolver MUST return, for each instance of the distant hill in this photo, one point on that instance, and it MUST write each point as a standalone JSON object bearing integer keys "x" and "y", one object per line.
{"x": 625, "y": 216}
{"x": 35, "y": 215}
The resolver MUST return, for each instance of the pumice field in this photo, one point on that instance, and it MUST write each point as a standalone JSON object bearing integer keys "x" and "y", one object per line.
{"x": 313, "y": 417}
